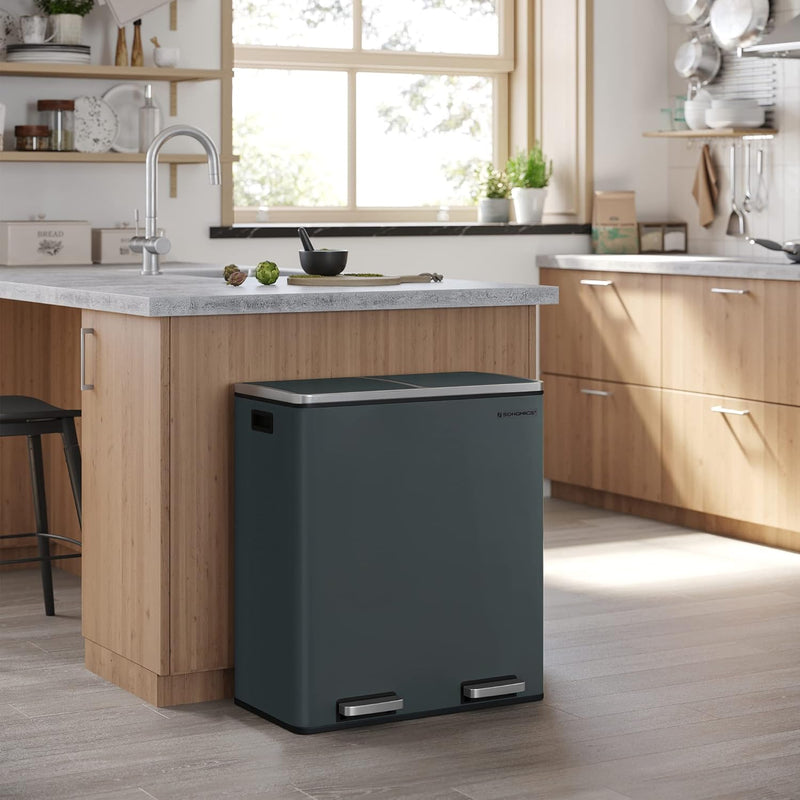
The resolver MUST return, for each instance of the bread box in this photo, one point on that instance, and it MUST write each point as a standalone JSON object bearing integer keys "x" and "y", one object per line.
{"x": 112, "y": 246}
{"x": 45, "y": 242}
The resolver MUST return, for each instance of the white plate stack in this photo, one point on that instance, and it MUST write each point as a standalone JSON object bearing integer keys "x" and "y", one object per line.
{"x": 49, "y": 53}
{"x": 737, "y": 112}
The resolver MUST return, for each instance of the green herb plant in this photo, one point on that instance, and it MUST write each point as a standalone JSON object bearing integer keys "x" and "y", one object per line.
{"x": 80, "y": 7}
{"x": 491, "y": 182}
{"x": 529, "y": 169}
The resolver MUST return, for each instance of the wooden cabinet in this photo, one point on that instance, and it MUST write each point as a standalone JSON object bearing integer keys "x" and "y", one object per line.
{"x": 606, "y": 326}
{"x": 604, "y": 436}
{"x": 732, "y": 458}
{"x": 732, "y": 337}
{"x": 716, "y": 425}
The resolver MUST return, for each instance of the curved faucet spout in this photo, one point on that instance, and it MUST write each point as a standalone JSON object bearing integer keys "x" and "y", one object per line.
{"x": 153, "y": 245}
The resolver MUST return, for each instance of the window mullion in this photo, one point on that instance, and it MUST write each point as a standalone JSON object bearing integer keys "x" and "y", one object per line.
{"x": 352, "y": 144}
{"x": 357, "y": 25}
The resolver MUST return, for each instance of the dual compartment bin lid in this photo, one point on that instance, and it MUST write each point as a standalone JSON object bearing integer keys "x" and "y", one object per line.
{"x": 380, "y": 388}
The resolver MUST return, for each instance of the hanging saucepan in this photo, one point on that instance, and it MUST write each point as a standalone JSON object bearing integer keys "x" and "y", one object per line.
{"x": 738, "y": 23}
{"x": 689, "y": 12}
{"x": 698, "y": 61}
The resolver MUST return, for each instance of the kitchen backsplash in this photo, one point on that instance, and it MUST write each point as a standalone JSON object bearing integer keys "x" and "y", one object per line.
{"x": 780, "y": 219}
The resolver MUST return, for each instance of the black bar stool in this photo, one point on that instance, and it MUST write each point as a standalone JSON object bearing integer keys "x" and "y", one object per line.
{"x": 27, "y": 416}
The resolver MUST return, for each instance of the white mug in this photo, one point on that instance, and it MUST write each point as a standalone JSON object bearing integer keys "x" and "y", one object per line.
{"x": 33, "y": 29}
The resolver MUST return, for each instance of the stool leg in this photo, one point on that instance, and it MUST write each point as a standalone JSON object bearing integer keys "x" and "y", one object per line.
{"x": 40, "y": 510}
{"x": 72, "y": 454}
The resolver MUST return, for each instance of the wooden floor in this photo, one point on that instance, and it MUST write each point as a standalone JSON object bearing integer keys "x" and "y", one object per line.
{"x": 672, "y": 672}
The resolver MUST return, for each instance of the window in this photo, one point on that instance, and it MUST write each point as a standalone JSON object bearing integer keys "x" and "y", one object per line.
{"x": 366, "y": 109}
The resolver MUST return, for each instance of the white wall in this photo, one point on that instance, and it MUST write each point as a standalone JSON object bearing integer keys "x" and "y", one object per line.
{"x": 630, "y": 86}
{"x": 781, "y": 219}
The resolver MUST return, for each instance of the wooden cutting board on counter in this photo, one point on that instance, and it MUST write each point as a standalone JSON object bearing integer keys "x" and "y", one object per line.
{"x": 361, "y": 280}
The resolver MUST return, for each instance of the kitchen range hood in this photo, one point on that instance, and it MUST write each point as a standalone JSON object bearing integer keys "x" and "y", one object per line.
{"x": 783, "y": 42}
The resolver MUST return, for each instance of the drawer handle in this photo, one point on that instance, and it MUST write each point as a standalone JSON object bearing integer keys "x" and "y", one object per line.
{"x": 382, "y": 704}
{"x": 723, "y": 410}
{"x": 85, "y": 387}
{"x": 596, "y": 392}
{"x": 720, "y": 290}
{"x": 597, "y": 283}
{"x": 501, "y": 688}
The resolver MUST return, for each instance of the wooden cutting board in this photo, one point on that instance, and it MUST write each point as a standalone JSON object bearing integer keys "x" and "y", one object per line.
{"x": 361, "y": 280}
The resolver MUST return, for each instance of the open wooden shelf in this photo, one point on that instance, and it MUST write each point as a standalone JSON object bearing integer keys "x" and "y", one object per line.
{"x": 108, "y": 71}
{"x": 107, "y": 158}
{"x": 712, "y": 133}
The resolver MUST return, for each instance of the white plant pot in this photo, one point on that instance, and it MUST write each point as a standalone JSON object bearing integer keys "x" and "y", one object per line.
{"x": 67, "y": 28}
{"x": 528, "y": 205}
{"x": 494, "y": 209}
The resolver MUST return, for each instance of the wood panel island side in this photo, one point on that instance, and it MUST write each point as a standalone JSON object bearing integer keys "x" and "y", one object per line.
{"x": 157, "y": 437}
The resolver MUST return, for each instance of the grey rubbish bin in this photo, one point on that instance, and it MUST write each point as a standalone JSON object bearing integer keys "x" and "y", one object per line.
{"x": 388, "y": 547}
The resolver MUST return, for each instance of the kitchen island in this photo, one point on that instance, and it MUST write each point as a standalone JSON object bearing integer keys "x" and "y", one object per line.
{"x": 156, "y": 424}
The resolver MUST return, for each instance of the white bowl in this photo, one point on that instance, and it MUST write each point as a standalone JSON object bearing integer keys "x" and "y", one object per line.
{"x": 695, "y": 117}
{"x": 166, "y": 56}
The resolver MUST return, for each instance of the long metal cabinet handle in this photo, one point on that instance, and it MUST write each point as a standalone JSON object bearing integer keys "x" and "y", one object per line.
{"x": 375, "y": 705}
{"x": 596, "y": 392}
{"x": 723, "y": 410}
{"x": 719, "y": 290}
{"x": 85, "y": 386}
{"x": 587, "y": 282}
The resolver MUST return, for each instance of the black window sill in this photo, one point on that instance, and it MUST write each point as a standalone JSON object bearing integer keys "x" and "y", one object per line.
{"x": 275, "y": 231}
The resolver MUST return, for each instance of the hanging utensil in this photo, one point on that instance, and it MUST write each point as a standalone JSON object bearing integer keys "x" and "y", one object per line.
{"x": 736, "y": 226}
{"x": 747, "y": 201}
{"x": 760, "y": 200}
{"x": 738, "y": 23}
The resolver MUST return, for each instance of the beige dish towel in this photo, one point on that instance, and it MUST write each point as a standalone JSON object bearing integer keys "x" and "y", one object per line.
{"x": 705, "y": 190}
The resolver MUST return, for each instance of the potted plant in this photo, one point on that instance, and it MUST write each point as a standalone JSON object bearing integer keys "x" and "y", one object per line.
{"x": 529, "y": 173}
{"x": 67, "y": 18}
{"x": 492, "y": 194}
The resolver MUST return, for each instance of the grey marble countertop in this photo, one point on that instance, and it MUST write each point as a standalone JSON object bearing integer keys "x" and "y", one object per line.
{"x": 778, "y": 268}
{"x": 198, "y": 289}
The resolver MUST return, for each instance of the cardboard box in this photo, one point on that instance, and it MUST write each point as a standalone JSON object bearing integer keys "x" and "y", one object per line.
{"x": 614, "y": 227}
{"x": 45, "y": 242}
{"x": 112, "y": 246}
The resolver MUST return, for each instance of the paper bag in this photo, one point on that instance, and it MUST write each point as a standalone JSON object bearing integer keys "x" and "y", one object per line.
{"x": 614, "y": 228}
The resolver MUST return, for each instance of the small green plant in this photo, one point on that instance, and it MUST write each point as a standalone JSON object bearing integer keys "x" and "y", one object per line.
{"x": 80, "y": 7}
{"x": 491, "y": 182}
{"x": 529, "y": 169}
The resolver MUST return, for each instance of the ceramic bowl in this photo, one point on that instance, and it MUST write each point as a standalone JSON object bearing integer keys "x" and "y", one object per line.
{"x": 166, "y": 56}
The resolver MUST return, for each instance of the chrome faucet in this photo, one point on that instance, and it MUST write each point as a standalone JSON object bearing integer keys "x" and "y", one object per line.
{"x": 151, "y": 245}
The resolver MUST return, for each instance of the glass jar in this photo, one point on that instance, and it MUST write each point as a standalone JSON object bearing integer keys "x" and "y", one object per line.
{"x": 32, "y": 137}
{"x": 59, "y": 116}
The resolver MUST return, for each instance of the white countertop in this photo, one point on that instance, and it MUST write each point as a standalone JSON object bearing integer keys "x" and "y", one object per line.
{"x": 777, "y": 268}
{"x": 199, "y": 289}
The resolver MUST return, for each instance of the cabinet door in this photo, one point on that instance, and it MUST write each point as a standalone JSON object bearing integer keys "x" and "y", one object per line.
{"x": 607, "y": 326}
{"x": 606, "y": 436}
{"x": 739, "y": 338}
{"x": 125, "y": 487}
{"x": 733, "y": 458}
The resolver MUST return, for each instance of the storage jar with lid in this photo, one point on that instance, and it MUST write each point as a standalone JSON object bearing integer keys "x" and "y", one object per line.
{"x": 32, "y": 137}
{"x": 59, "y": 116}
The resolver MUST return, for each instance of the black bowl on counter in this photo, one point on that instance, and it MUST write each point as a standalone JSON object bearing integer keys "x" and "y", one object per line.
{"x": 323, "y": 262}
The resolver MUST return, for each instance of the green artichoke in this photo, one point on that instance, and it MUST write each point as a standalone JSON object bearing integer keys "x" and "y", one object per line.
{"x": 267, "y": 272}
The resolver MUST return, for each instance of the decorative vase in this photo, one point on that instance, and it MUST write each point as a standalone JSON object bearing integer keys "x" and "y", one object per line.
{"x": 67, "y": 28}
{"x": 528, "y": 204}
{"x": 494, "y": 209}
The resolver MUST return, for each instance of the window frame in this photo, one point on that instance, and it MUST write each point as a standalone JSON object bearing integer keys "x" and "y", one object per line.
{"x": 498, "y": 68}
